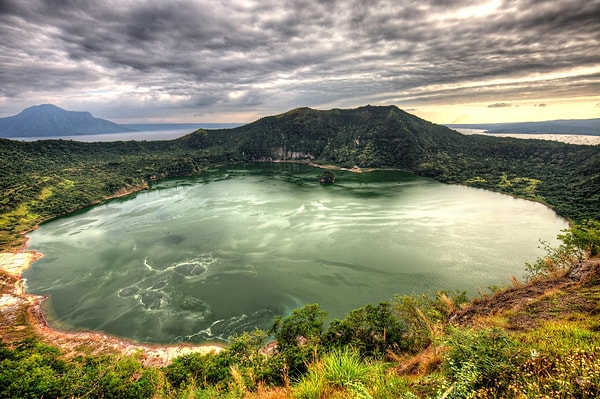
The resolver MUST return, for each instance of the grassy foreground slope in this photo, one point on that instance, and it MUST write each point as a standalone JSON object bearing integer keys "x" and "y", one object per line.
{"x": 43, "y": 179}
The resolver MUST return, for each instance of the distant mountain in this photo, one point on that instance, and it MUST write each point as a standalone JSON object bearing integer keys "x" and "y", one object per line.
{"x": 177, "y": 126}
{"x": 590, "y": 127}
{"x": 369, "y": 136}
{"x": 48, "y": 120}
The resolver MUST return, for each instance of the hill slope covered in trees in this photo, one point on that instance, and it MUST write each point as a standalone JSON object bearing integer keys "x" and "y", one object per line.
{"x": 566, "y": 177}
{"x": 43, "y": 179}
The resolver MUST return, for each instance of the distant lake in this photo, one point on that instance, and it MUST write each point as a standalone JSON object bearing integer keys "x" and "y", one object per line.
{"x": 565, "y": 138}
{"x": 146, "y": 132}
{"x": 156, "y": 132}
{"x": 198, "y": 259}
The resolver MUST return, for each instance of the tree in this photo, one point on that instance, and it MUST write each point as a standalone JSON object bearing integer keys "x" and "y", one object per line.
{"x": 579, "y": 241}
{"x": 303, "y": 325}
{"x": 327, "y": 177}
{"x": 298, "y": 336}
{"x": 370, "y": 329}
{"x": 585, "y": 236}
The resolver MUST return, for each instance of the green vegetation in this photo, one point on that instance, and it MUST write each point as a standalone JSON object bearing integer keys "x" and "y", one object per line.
{"x": 480, "y": 359}
{"x": 534, "y": 340}
{"x": 581, "y": 241}
{"x": 44, "y": 179}
{"x": 35, "y": 370}
{"x": 327, "y": 177}
{"x": 343, "y": 373}
{"x": 309, "y": 361}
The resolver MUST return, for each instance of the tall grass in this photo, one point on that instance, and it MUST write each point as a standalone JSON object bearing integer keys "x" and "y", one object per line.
{"x": 340, "y": 370}
{"x": 342, "y": 373}
{"x": 564, "y": 362}
{"x": 557, "y": 360}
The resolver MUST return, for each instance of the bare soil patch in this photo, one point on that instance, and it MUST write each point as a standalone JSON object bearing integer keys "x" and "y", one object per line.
{"x": 574, "y": 293}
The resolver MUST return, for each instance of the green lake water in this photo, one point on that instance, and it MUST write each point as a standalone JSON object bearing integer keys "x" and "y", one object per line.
{"x": 201, "y": 258}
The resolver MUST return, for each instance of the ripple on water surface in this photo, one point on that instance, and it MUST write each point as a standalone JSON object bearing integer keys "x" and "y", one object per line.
{"x": 199, "y": 259}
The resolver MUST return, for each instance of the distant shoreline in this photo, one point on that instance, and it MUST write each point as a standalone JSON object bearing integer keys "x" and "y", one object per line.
{"x": 137, "y": 132}
{"x": 175, "y": 131}
{"x": 578, "y": 139}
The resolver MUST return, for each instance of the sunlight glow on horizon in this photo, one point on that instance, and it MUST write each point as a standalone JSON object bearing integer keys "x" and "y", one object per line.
{"x": 517, "y": 111}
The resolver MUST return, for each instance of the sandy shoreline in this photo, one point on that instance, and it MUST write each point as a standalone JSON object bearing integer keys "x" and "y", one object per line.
{"x": 14, "y": 301}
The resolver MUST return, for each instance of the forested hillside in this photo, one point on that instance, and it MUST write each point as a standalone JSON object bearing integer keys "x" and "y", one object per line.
{"x": 43, "y": 179}
{"x": 566, "y": 177}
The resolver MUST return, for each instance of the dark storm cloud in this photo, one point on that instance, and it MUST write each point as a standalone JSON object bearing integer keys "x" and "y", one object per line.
{"x": 272, "y": 55}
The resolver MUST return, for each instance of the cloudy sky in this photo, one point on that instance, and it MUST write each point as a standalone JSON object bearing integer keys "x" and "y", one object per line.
{"x": 448, "y": 61}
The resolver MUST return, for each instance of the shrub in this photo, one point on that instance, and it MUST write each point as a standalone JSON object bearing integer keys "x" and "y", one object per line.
{"x": 298, "y": 337}
{"x": 585, "y": 236}
{"x": 252, "y": 368}
{"x": 554, "y": 264}
{"x": 371, "y": 330}
{"x": 578, "y": 242}
{"x": 480, "y": 359}
{"x": 199, "y": 369}
{"x": 32, "y": 370}
{"x": 425, "y": 316}
{"x": 127, "y": 378}
{"x": 35, "y": 370}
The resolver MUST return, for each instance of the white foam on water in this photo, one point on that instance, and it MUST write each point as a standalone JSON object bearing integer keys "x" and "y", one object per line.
{"x": 265, "y": 237}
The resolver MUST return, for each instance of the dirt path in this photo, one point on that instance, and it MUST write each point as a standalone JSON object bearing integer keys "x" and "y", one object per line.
{"x": 546, "y": 299}
{"x": 21, "y": 317}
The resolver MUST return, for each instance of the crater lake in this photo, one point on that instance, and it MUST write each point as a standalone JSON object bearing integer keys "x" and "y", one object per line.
{"x": 198, "y": 259}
